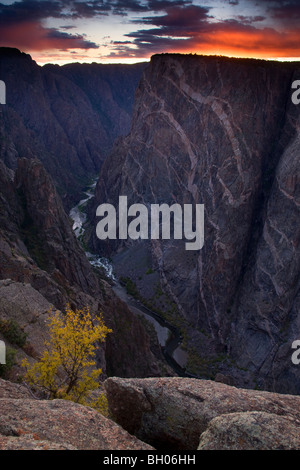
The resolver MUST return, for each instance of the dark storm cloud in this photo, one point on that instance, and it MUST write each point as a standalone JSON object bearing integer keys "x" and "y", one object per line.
{"x": 250, "y": 19}
{"x": 123, "y": 7}
{"x": 88, "y": 9}
{"x": 120, "y": 42}
{"x": 283, "y": 9}
{"x": 164, "y": 25}
{"x": 232, "y": 2}
{"x": 161, "y": 5}
{"x": 81, "y": 42}
{"x": 180, "y": 23}
{"x": 287, "y": 12}
{"x": 177, "y": 17}
{"x": 278, "y": 2}
{"x": 32, "y": 10}
{"x": 192, "y": 28}
{"x": 172, "y": 30}
{"x": 29, "y": 10}
{"x": 21, "y": 25}
{"x": 66, "y": 27}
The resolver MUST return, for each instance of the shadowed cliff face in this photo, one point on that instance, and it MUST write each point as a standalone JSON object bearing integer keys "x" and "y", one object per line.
{"x": 223, "y": 133}
{"x": 67, "y": 116}
{"x": 110, "y": 90}
{"x": 267, "y": 306}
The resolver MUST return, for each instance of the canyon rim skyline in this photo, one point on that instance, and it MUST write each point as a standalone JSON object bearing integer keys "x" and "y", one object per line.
{"x": 64, "y": 31}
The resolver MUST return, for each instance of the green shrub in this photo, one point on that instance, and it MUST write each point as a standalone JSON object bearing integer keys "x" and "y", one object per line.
{"x": 13, "y": 332}
{"x": 130, "y": 287}
{"x": 149, "y": 271}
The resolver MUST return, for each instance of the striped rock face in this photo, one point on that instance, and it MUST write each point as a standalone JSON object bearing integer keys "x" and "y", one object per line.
{"x": 223, "y": 133}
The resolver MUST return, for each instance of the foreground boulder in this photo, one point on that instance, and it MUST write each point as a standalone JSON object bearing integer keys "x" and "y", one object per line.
{"x": 254, "y": 430}
{"x": 172, "y": 413}
{"x": 31, "y": 424}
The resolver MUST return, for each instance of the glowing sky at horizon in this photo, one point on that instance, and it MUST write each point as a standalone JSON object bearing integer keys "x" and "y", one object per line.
{"x": 62, "y": 31}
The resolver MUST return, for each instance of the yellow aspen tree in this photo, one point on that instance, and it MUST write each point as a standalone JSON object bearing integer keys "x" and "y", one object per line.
{"x": 66, "y": 368}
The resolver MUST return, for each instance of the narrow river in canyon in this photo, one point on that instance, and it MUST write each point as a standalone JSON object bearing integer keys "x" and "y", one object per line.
{"x": 168, "y": 336}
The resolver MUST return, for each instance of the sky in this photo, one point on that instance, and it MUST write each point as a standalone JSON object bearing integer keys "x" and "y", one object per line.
{"x": 110, "y": 31}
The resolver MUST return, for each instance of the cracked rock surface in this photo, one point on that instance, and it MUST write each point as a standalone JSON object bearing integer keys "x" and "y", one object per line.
{"x": 178, "y": 413}
{"x": 30, "y": 424}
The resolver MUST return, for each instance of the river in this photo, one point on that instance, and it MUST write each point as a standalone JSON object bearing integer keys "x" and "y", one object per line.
{"x": 168, "y": 336}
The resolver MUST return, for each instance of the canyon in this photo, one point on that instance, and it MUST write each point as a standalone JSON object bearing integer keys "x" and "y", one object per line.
{"x": 186, "y": 130}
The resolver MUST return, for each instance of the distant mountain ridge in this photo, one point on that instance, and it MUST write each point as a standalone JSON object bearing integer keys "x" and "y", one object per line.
{"x": 67, "y": 116}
